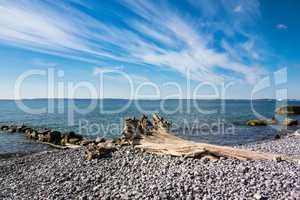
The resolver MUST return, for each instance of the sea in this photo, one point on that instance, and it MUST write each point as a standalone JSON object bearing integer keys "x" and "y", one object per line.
{"x": 220, "y": 122}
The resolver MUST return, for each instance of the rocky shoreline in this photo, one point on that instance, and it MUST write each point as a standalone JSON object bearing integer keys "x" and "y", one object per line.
{"x": 116, "y": 169}
{"x": 132, "y": 174}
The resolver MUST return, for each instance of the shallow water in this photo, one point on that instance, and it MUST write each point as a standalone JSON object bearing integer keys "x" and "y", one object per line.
{"x": 18, "y": 145}
{"x": 213, "y": 121}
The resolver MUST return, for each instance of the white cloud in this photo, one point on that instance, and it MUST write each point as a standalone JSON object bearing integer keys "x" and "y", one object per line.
{"x": 63, "y": 30}
{"x": 281, "y": 26}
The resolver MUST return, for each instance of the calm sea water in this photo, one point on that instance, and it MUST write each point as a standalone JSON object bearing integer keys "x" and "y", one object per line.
{"x": 212, "y": 121}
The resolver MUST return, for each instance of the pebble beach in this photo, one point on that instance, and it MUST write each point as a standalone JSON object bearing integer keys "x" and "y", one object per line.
{"x": 131, "y": 174}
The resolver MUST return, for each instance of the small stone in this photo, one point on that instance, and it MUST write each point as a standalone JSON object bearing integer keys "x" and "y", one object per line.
{"x": 97, "y": 187}
{"x": 257, "y": 196}
{"x": 100, "y": 140}
{"x": 295, "y": 193}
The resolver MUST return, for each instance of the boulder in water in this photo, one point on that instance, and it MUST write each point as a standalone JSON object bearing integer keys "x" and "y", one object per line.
{"x": 4, "y": 128}
{"x": 28, "y": 130}
{"x": 257, "y": 122}
{"x": 32, "y": 135}
{"x": 21, "y": 128}
{"x": 44, "y": 131}
{"x": 71, "y": 137}
{"x": 12, "y": 129}
{"x": 54, "y": 137}
{"x": 290, "y": 122}
{"x": 288, "y": 110}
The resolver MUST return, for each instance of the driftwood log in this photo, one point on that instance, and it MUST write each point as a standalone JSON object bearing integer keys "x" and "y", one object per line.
{"x": 155, "y": 137}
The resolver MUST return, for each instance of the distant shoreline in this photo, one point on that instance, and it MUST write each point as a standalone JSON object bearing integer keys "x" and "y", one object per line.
{"x": 146, "y": 99}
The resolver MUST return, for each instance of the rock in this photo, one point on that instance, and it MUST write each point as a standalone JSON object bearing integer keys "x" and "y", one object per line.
{"x": 85, "y": 142}
{"x": 27, "y": 130}
{"x": 122, "y": 142}
{"x": 290, "y": 122}
{"x": 295, "y": 193}
{"x": 54, "y": 137}
{"x": 32, "y": 135}
{"x": 100, "y": 140}
{"x": 94, "y": 151}
{"x": 4, "y": 128}
{"x": 257, "y": 196}
{"x": 257, "y": 122}
{"x": 296, "y": 134}
{"x": 277, "y": 137}
{"x": 71, "y": 137}
{"x": 273, "y": 121}
{"x": 286, "y": 110}
{"x": 44, "y": 131}
{"x": 21, "y": 128}
{"x": 74, "y": 141}
{"x": 12, "y": 129}
{"x": 42, "y": 138}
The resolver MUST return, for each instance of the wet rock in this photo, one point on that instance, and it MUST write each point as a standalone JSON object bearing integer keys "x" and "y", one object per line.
{"x": 273, "y": 121}
{"x": 290, "y": 122}
{"x": 286, "y": 110}
{"x": 4, "y": 128}
{"x": 100, "y": 140}
{"x": 21, "y": 128}
{"x": 32, "y": 135}
{"x": 44, "y": 131}
{"x": 12, "y": 129}
{"x": 27, "y": 130}
{"x": 71, "y": 137}
{"x": 54, "y": 137}
{"x": 257, "y": 122}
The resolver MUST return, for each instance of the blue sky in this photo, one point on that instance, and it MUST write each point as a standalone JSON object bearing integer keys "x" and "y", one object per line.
{"x": 218, "y": 42}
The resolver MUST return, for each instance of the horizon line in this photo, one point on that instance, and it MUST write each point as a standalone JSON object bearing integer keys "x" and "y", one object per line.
{"x": 111, "y": 98}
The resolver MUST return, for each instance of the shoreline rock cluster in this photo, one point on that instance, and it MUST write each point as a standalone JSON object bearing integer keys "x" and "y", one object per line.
{"x": 100, "y": 147}
{"x": 285, "y": 110}
{"x": 133, "y": 132}
{"x": 44, "y": 135}
{"x": 288, "y": 110}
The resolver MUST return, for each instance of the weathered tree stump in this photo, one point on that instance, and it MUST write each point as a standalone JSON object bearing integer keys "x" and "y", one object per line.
{"x": 155, "y": 137}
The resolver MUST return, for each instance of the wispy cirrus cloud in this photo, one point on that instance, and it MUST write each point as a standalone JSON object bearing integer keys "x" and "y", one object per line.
{"x": 281, "y": 26}
{"x": 155, "y": 36}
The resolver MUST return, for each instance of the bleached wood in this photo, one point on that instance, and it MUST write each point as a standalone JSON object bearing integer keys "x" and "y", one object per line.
{"x": 158, "y": 139}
